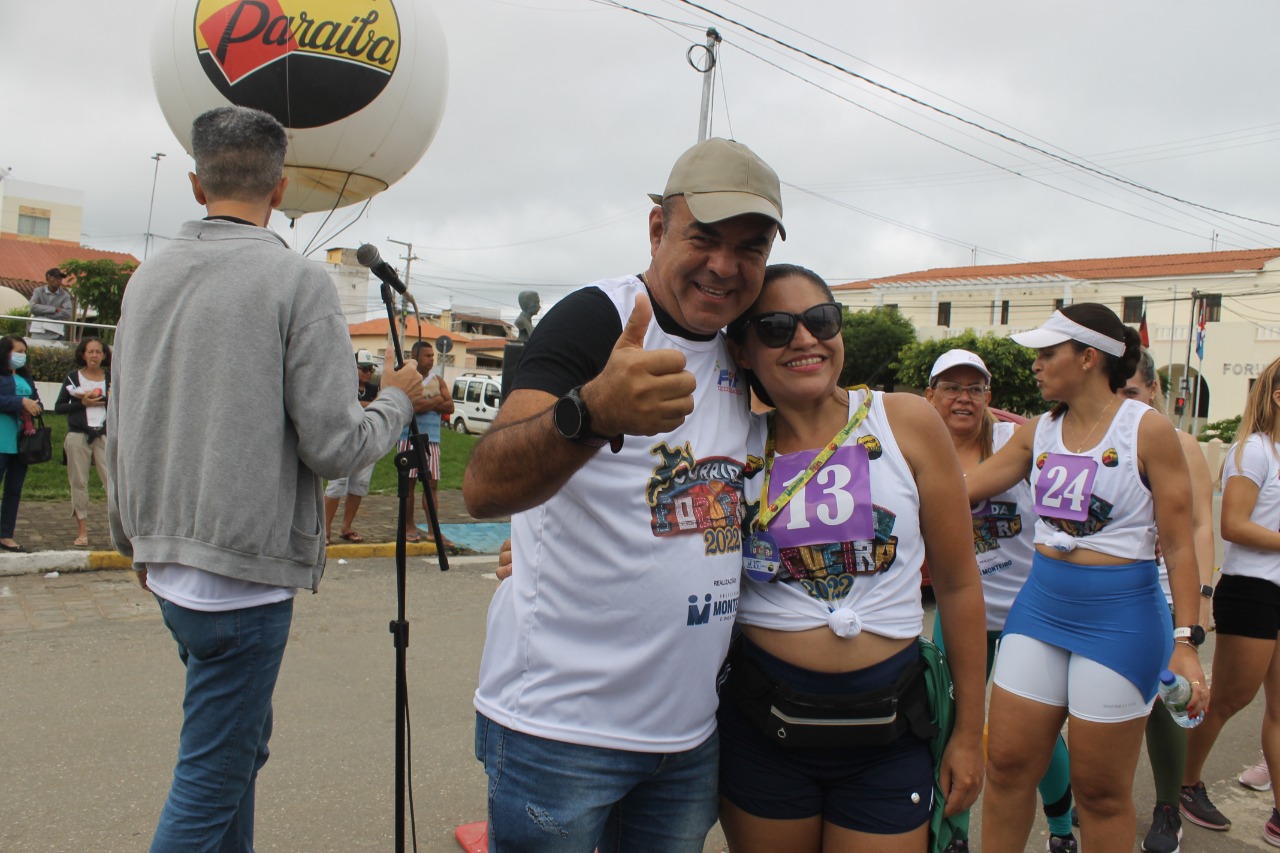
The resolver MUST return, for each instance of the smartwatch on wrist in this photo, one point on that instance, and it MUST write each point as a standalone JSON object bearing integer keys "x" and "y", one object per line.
{"x": 1206, "y": 591}
{"x": 573, "y": 421}
{"x": 1194, "y": 634}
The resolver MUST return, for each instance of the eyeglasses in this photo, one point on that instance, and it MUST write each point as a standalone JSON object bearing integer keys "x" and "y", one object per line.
{"x": 366, "y": 368}
{"x": 955, "y": 389}
{"x": 777, "y": 328}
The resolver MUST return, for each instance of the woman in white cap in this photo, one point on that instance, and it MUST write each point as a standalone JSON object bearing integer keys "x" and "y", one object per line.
{"x": 1003, "y": 527}
{"x": 823, "y": 715}
{"x": 1089, "y": 633}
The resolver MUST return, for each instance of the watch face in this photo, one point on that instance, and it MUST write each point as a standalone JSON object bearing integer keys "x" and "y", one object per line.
{"x": 1197, "y": 634}
{"x": 568, "y": 417}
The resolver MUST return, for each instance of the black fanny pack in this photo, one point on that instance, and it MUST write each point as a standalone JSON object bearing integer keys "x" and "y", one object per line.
{"x": 801, "y": 720}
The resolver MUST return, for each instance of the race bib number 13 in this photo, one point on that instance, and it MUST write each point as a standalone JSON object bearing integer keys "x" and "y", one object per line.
{"x": 1065, "y": 486}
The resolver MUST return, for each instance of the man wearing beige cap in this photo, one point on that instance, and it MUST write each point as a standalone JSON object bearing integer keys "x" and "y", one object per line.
{"x": 620, "y": 455}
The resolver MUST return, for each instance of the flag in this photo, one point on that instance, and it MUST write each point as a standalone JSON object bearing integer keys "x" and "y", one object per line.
{"x": 1200, "y": 334}
{"x": 1142, "y": 330}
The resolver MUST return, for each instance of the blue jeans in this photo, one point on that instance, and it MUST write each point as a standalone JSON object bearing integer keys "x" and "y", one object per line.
{"x": 14, "y": 471}
{"x": 232, "y": 659}
{"x": 547, "y": 796}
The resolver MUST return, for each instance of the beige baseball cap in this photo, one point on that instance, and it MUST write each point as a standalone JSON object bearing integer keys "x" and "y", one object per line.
{"x": 721, "y": 179}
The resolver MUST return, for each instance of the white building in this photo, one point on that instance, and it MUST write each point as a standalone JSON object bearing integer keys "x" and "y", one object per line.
{"x": 1240, "y": 291}
{"x": 40, "y": 211}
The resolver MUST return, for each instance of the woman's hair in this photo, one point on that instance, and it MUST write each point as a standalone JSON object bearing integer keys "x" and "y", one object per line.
{"x": 84, "y": 345}
{"x": 6, "y": 349}
{"x": 1260, "y": 408}
{"x": 1104, "y": 321}
{"x": 737, "y": 330}
{"x": 1148, "y": 376}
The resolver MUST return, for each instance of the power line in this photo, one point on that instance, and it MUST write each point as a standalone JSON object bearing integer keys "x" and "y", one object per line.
{"x": 1110, "y": 176}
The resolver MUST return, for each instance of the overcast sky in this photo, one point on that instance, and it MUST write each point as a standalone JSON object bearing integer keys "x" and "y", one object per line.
{"x": 563, "y": 114}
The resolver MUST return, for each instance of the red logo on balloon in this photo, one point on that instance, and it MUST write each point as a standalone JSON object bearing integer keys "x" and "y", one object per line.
{"x": 240, "y": 38}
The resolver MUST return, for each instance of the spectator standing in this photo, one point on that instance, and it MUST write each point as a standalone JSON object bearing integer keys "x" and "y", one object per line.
{"x": 436, "y": 401}
{"x": 51, "y": 300}
{"x": 20, "y": 402}
{"x": 83, "y": 399}
{"x": 232, "y": 396}
{"x": 355, "y": 487}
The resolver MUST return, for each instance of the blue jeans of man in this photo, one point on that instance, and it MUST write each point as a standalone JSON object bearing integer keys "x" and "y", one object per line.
{"x": 13, "y": 468}
{"x": 232, "y": 659}
{"x": 548, "y": 796}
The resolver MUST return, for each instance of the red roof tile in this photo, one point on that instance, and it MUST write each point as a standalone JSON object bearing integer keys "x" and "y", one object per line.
{"x": 1140, "y": 266}
{"x": 429, "y": 330}
{"x": 23, "y": 262}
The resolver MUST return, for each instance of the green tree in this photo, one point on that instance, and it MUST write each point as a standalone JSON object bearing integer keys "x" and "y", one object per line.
{"x": 15, "y": 327}
{"x": 872, "y": 341}
{"x": 100, "y": 285}
{"x": 1224, "y": 429}
{"x": 1013, "y": 386}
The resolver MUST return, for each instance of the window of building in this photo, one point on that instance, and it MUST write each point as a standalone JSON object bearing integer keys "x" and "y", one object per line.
{"x": 1212, "y": 307}
{"x": 944, "y": 313}
{"x": 892, "y": 306}
{"x": 35, "y": 226}
{"x": 1059, "y": 304}
{"x": 1004, "y": 313}
{"x": 1132, "y": 309}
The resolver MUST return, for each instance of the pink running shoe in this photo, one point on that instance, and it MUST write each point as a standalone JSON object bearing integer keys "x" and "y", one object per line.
{"x": 1257, "y": 777}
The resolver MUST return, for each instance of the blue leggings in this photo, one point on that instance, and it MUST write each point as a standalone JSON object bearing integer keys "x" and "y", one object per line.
{"x": 1055, "y": 786}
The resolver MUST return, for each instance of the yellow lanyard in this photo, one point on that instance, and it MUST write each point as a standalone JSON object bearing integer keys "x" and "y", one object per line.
{"x": 771, "y": 510}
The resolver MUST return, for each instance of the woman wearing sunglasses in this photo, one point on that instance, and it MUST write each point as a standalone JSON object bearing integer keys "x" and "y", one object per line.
{"x": 1003, "y": 530}
{"x": 1089, "y": 632}
{"x": 852, "y": 490}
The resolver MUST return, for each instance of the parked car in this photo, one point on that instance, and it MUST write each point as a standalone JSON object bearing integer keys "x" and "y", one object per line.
{"x": 476, "y": 398}
{"x": 1001, "y": 415}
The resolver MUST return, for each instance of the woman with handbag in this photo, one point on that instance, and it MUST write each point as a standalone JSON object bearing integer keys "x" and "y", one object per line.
{"x": 19, "y": 401}
{"x": 83, "y": 399}
{"x": 823, "y": 741}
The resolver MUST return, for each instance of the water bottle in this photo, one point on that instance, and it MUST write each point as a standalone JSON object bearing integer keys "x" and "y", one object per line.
{"x": 1175, "y": 692}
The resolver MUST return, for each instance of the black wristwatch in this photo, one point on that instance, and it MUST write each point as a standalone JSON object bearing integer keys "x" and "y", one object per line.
{"x": 573, "y": 421}
{"x": 1194, "y": 634}
{"x": 1206, "y": 591}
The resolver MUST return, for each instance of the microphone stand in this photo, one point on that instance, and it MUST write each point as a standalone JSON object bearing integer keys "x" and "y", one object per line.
{"x": 415, "y": 456}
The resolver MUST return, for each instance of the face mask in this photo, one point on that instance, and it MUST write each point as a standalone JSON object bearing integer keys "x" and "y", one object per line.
{"x": 17, "y": 359}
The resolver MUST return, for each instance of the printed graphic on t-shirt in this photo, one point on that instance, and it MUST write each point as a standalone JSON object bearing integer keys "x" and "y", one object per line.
{"x": 727, "y": 380}
{"x": 827, "y": 571}
{"x": 993, "y": 521}
{"x": 700, "y": 496}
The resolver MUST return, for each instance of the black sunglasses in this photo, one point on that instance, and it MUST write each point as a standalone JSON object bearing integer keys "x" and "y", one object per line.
{"x": 777, "y": 328}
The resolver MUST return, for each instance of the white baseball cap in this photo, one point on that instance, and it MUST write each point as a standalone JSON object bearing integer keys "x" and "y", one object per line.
{"x": 364, "y": 358}
{"x": 958, "y": 358}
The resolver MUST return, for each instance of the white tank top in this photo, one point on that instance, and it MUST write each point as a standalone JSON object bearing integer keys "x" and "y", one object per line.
{"x": 1102, "y": 483}
{"x": 613, "y": 626}
{"x": 881, "y": 593}
{"x": 1259, "y": 463}
{"x": 1003, "y": 533}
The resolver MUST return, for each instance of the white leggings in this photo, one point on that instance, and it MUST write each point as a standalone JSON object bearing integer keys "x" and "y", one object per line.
{"x": 1051, "y": 675}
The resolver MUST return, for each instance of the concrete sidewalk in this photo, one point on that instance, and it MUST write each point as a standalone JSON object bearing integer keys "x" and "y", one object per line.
{"x": 46, "y": 529}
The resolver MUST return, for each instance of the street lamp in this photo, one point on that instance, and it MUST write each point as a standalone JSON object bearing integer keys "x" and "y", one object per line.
{"x": 146, "y": 247}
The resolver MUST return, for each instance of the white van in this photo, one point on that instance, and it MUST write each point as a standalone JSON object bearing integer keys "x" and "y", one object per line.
{"x": 476, "y": 397}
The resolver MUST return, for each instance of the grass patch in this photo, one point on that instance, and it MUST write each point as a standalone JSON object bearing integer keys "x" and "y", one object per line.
{"x": 455, "y": 450}
{"x": 48, "y": 481}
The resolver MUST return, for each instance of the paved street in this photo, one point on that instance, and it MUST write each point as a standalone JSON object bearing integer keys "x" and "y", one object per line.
{"x": 91, "y": 697}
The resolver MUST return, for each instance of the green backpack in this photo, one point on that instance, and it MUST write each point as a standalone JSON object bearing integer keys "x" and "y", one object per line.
{"x": 946, "y": 834}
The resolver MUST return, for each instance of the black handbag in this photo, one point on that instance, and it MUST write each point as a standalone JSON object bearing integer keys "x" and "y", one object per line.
{"x": 38, "y": 446}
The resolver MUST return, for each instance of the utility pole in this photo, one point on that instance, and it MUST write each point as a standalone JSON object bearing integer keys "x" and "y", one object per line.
{"x": 708, "y": 77}
{"x": 404, "y": 303}
{"x": 146, "y": 245}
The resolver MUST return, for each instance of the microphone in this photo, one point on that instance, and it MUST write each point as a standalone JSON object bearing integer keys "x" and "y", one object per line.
{"x": 367, "y": 256}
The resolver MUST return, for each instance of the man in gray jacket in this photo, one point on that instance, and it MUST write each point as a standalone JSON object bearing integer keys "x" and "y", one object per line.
{"x": 232, "y": 396}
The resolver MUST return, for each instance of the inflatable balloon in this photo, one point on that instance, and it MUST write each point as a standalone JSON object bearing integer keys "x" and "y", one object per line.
{"x": 359, "y": 84}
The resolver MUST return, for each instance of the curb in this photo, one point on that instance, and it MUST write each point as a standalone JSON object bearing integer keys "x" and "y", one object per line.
{"x": 39, "y": 562}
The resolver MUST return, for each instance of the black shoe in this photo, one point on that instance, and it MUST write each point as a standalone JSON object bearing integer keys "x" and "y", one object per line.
{"x": 1165, "y": 833}
{"x": 1196, "y": 807}
{"x": 15, "y": 548}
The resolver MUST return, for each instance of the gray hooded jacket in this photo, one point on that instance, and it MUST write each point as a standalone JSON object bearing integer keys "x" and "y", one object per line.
{"x": 232, "y": 394}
